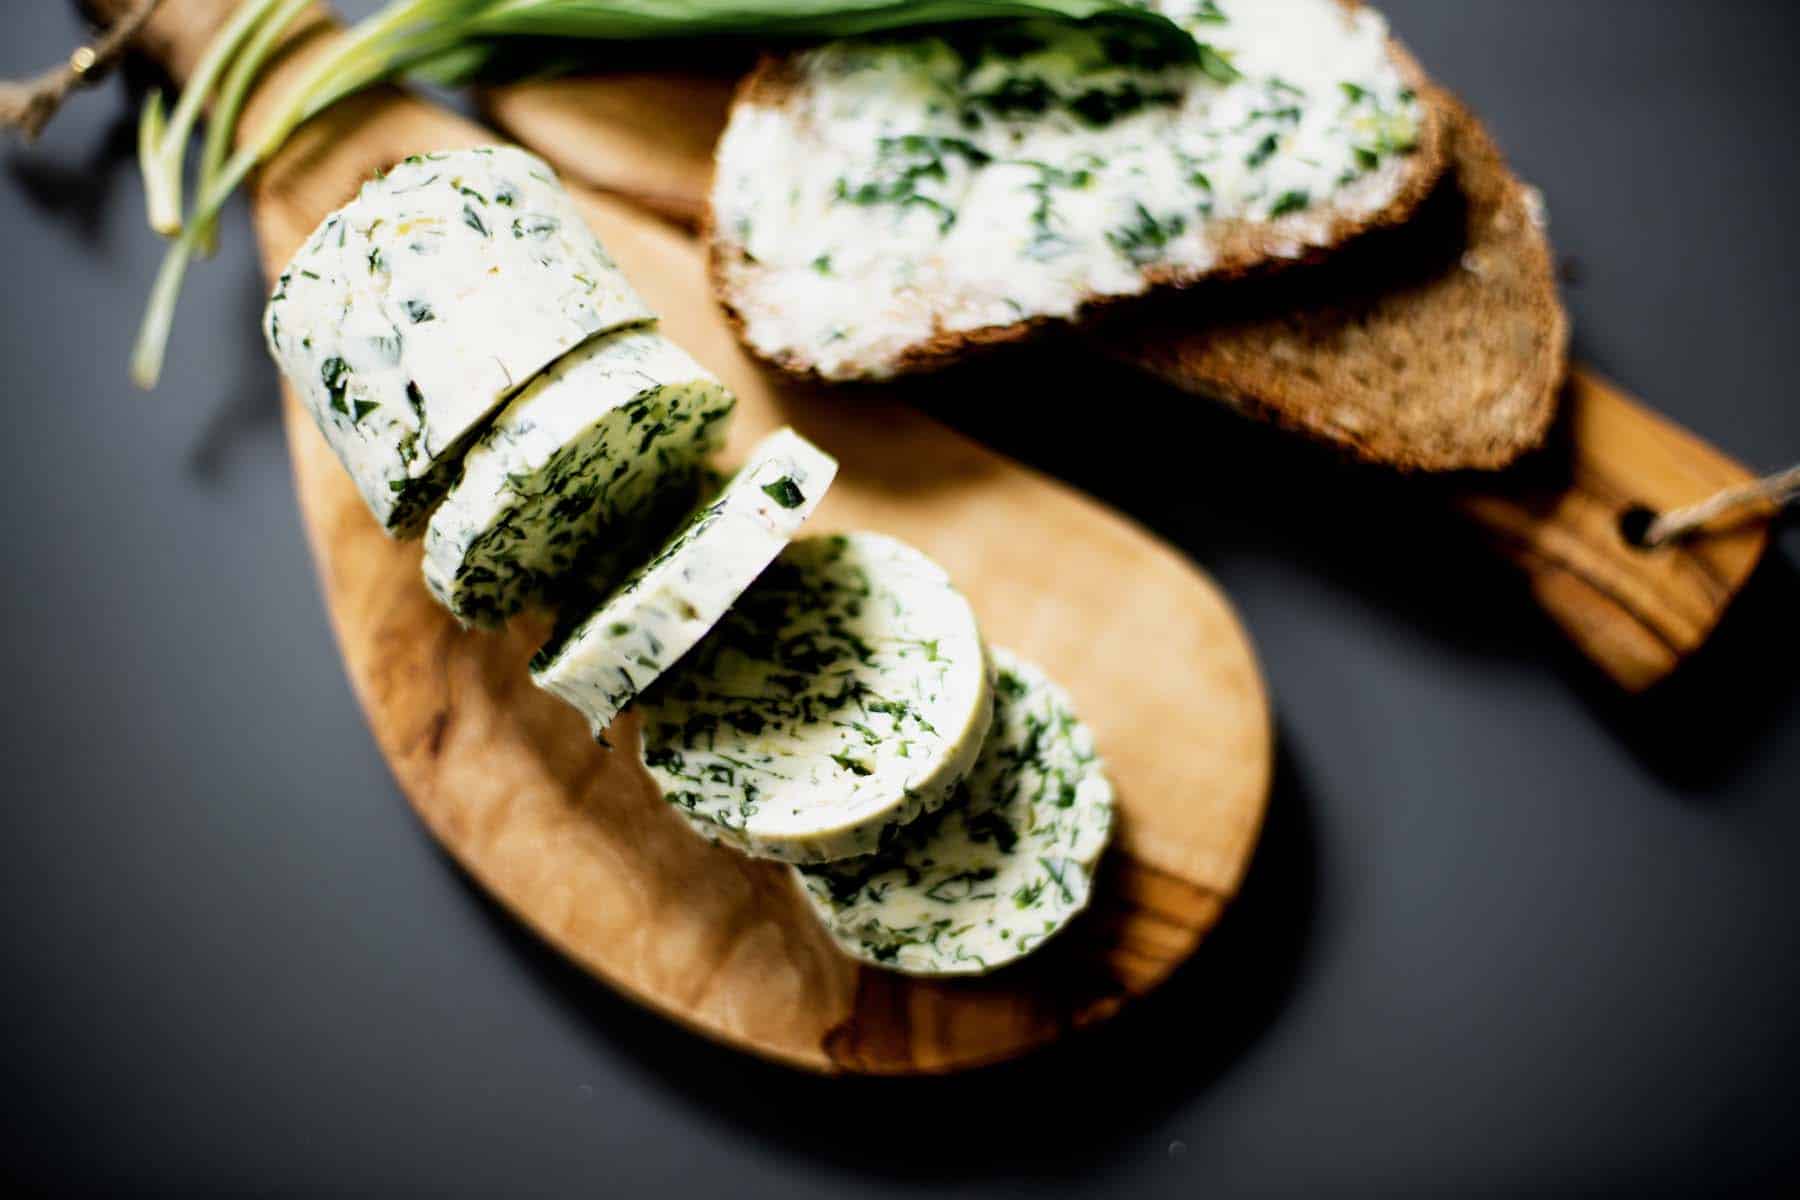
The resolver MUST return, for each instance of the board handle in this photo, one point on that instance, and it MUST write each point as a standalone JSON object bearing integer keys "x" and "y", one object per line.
{"x": 1570, "y": 516}
{"x": 646, "y": 137}
{"x": 1636, "y": 613}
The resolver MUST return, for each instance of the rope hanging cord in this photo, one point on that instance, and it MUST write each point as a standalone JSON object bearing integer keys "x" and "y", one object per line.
{"x": 1678, "y": 523}
{"x": 28, "y": 105}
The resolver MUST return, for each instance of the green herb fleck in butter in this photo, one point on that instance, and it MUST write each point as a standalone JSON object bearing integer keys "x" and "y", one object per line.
{"x": 601, "y": 661}
{"x": 571, "y": 467}
{"x": 406, "y": 319}
{"x": 1005, "y": 865}
{"x": 910, "y": 188}
{"x": 844, "y": 694}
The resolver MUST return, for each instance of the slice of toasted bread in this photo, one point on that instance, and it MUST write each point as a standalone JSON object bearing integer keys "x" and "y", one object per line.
{"x": 925, "y": 322}
{"x": 1440, "y": 346}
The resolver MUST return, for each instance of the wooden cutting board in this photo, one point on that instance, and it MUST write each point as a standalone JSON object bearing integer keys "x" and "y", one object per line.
{"x": 647, "y": 136}
{"x": 573, "y": 839}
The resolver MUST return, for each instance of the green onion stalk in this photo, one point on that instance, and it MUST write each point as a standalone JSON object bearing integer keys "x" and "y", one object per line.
{"x": 446, "y": 41}
{"x": 162, "y": 141}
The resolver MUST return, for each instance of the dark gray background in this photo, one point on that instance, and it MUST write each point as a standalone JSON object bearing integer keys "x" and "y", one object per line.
{"x": 1507, "y": 930}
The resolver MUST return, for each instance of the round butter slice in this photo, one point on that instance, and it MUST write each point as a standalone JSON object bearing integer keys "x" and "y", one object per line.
{"x": 1006, "y": 865}
{"x": 412, "y": 312}
{"x": 845, "y": 693}
{"x": 663, "y": 610}
{"x": 571, "y": 467}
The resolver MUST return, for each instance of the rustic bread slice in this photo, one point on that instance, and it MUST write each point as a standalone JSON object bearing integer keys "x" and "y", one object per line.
{"x": 911, "y": 303}
{"x": 1441, "y": 346}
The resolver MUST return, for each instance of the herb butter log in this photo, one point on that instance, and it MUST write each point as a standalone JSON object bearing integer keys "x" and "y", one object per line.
{"x": 1003, "y": 867}
{"x": 416, "y": 309}
{"x": 571, "y": 468}
{"x": 600, "y": 663}
{"x": 844, "y": 695}
{"x": 886, "y": 205}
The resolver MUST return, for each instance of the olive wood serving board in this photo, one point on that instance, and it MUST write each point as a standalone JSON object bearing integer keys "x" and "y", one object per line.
{"x": 572, "y": 837}
{"x": 648, "y": 136}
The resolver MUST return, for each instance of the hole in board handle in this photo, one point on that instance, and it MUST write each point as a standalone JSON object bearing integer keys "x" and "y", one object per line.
{"x": 1634, "y": 526}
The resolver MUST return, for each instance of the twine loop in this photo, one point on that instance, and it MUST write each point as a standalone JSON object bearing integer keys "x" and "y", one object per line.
{"x": 27, "y": 105}
{"x": 1768, "y": 493}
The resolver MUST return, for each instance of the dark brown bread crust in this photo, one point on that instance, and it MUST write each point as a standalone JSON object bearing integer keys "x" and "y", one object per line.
{"x": 1245, "y": 249}
{"x": 1441, "y": 346}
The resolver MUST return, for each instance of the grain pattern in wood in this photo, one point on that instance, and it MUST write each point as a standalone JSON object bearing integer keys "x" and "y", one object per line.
{"x": 1558, "y": 518}
{"x": 646, "y": 137}
{"x": 571, "y": 837}
{"x": 608, "y": 131}
{"x": 1637, "y": 615}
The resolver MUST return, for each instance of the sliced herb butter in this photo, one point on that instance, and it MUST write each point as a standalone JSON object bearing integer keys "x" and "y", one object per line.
{"x": 420, "y": 306}
{"x": 602, "y": 661}
{"x": 872, "y": 196}
{"x": 845, "y": 693}
{"x": 574, "y": 463}
{"x": 1005, "y": 865}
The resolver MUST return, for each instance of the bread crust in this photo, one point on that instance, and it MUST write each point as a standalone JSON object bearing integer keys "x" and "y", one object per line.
{"x": 1439, "y": 347}
{"x": 1243, "y": 249}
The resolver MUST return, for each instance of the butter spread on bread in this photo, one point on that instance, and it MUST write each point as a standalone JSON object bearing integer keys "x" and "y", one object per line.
{"x": 1439, "y": 346}
{"x": 884, "y": 205}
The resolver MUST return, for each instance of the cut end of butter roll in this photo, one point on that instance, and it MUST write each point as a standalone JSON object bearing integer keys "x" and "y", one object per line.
{"x": 600, "y": 664}
{"x": 415, "y": 310}
{"x": 572, "y": 468}
{"x": 1006, "y": 865}
{"x": 845, "y": 694}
